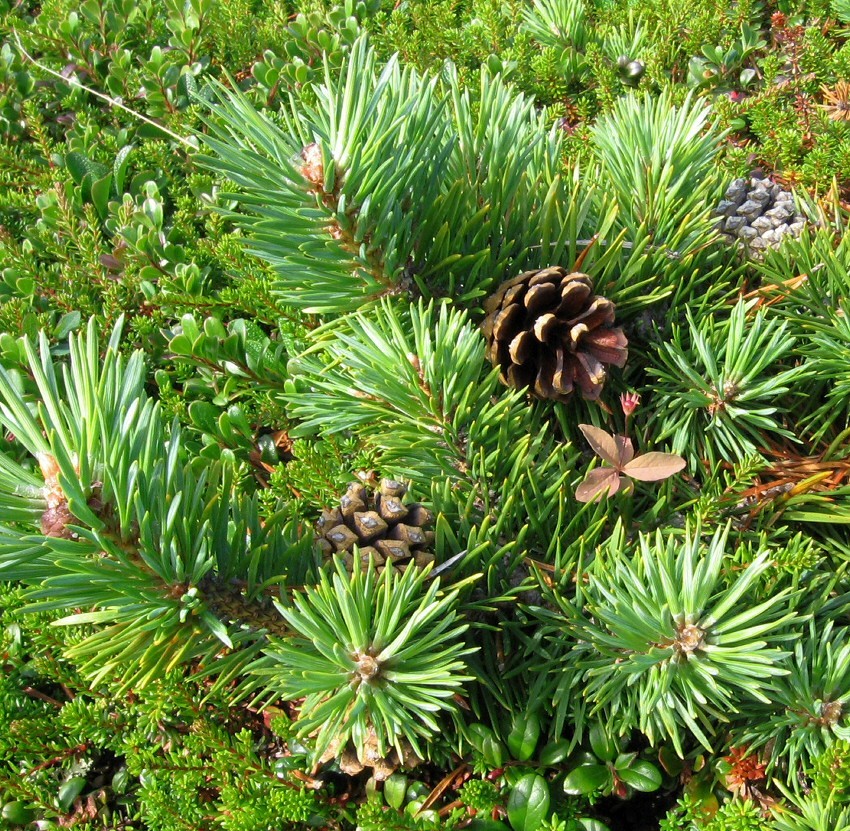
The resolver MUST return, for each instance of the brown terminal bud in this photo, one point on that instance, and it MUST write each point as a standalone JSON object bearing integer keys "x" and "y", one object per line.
{"x": 55, "y": 521}
{"x": 312, "y": 169}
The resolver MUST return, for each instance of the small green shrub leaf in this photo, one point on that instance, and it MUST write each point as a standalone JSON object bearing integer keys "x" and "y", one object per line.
{"x": 18, "y": 813}
{"x": 395, "y": 788}
{"x": 100, "y": 191}
{"x": 484, "y": 740}
{"x": 554, "y": 752}
{"x": 69, "y": 791}
{"x": 642, "y": 776}
{"x": 523, "y": 736}
{"x": 586, "y": 779}
{"x": 528, "y": 803}
{"x": 603, "y": 746}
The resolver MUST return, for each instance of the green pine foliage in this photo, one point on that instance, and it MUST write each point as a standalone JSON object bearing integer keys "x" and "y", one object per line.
{"x": 658, "y": 159}
{"x": 343, "y": 233}
{"x": 661, "y": 642}
{"x": 246, "y": 251}
{"x": 718, "y": 386}
{"x": 371, "y": 654}
{"x": 806, "y": 716}
{"x": 817, "y": 812}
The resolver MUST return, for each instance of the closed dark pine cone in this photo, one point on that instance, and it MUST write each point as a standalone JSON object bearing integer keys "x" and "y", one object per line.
{"x": 383, "y": 527}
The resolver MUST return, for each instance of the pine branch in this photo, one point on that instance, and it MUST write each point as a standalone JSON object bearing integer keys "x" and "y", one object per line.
{"x": 332, "y": 194}
{"x": 720, "y": 385}
{"x": 412, "y": 384}
{"x": 375, "y": 655}
{"x": 121, "y": 524}
{"x": 397, "y": 183}
{"x": 667, "y": 643}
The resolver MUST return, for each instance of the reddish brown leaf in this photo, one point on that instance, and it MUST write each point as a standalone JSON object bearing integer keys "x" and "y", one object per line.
{"x": 599, "y": 483}
{"x": 625, "y": 451}
{"x": 652, "y": 467}
{"x": 603, "y": 444}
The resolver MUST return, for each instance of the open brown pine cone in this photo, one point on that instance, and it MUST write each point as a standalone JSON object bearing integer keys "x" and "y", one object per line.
{"x": 547, "y": 330}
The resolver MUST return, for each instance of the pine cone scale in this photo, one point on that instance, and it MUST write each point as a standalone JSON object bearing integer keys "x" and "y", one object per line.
{"x": 608, "y": 346}
{"x": 521, "y": 348}
{"x": 590, "y": 376}
{"x": 546, "y": 328}
{"x": 506, "y": 321}
{"x": 551, "y": 369}
{"x": 574, "y": 296}
{"x": 519, "y": 377}
{"x": 599, "y": 313}
{"x": 562, "y": 381}
{"x": 540, "y": 297}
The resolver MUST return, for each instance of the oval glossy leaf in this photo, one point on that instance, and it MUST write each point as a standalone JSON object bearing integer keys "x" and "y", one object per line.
{"x": 528, "y": 804}
{"x": 603, "y": 746}
{"x": 642, "y": 776}
{"x": 204, "y": 416}
{"x": 747, "y": 76}
{"x": 67, "y": 324}
{"x": 485, "y": 742}
{"x": 120, "y": 780}
{"x": 493, "y": 753}
{"x": 597, "y": 484}
{"x": 69, "y": 791}
{"x": 395, "y": 788}
{"x": 119, "y": 167}
{"x": 18, "y": 813}
{"x": 585, "y": 779}
{"x": 78, "y": 166}
{"x": 624, "y": 760}
{"x": 652, "y": 467}
{"x": 591, "y": 824}
{"x": 554, "y": 752}
{"x": 417, "y": 790}
{"x": 100, "y": 190}
{"x": 523, "y": 736}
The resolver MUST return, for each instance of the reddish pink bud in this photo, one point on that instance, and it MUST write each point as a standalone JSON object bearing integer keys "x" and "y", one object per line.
{"x": 629, "y": 401}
